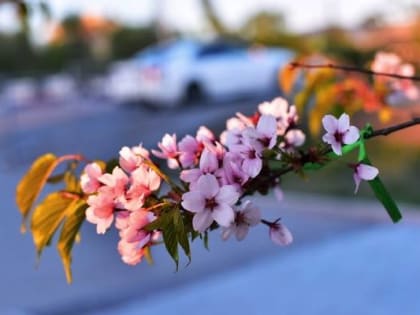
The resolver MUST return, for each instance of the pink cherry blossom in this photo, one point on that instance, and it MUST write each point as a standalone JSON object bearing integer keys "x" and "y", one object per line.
{"x": 246, "y": 215}
{"x": 232, "y": 173}
{"x": 89, "y": 180}
{"x": 385, "y": 63}
{"x": 280, "y": 234}
{"x": 339, "y": 132}
{"x": 407, "y": 87}
{"x": 363, "y": 172}
{"x": 143, "y": 182}
{"x": 251, "y": 158}
{"x": 392, "y": 64}
{"x": 189, "y": 150}
{"x": 294, "y": 138}
{"x": 264, "y": 136}
{"x": 133, "y": 237}
{"x": 100, "y": 211}
{"x": 217, "y": 149}
{"x": 277, "y": 107}
{"x": 122, "y": 219}
{"x": 115, "y": 183}
{"x": 285, "y": 115}
{"x": 131, "y": 253}
{"x": 134, "y": 231}
{"x": 210, "y": 202}
{"x": 131, "y": 158}
{"x": 169, "y": 150}
{"x": 204, "y": 134}
{"x": 209, "y": 164}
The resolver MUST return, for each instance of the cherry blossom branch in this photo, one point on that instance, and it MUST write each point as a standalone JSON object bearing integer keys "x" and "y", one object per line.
{"x": 353, "y": 69}
{"x": 376, "y": 133}
{"x": 388, "y": 130}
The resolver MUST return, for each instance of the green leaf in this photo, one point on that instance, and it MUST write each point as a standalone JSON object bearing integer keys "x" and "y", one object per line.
{"x": 182, "y": 234}
{"x": 276, "y": 165}
{"x": 170, "y": 240}
{"x": 206, "y": 240}
{"x": 194, "y": 235}
{"x": 32, "y": 183}
{"x": 158, "y": 224}
{"x": 379, "y": 189}
{"x": 74, "y": 217}
{"x": 385, "y": 198}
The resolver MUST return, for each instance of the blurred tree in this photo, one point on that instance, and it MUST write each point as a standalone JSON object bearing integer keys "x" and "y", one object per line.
{"x": 214, "y": 20}
{"x": 16, "y": 53}
{"x": 336, "y": 42}
{"x": 269, "y": 28}
{"x": 127, "y": 41}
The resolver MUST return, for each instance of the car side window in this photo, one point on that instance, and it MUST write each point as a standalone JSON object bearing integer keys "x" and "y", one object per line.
{"x": 217, "y": 49}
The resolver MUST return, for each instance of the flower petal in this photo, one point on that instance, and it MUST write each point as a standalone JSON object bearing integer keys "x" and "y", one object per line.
{"x": 280, "y": 234}
{"x": 252, "y": 215}
{"x": 227, "y": 232}
{"x": 343, "y": 123}
{"x": 227, "y": 194}
{"x": 330, "y": 123}
{"x": 208, "y": 161}
{"x": 223, "y": 215}
{"x": 241, "y": 231}
{"x": 357, "y": 181}
{"x": 190, "y": 176}
{"x": 252, "y": 167}
{"x": 336, "y": 147}
{"x": 351, "y": 136}
{"x": 202, "y": 220}
{"x": 367, "y": 172}
{"x": 208, "y": 185}
{"x": 193, "y": 201}
{"x": 267, "y": 125}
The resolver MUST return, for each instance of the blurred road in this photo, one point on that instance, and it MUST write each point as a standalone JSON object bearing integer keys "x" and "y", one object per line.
{"x": 100, "y": 129}
{"x": 101, "y": 280}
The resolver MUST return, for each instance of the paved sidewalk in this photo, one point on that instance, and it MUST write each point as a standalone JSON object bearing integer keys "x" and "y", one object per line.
{"x": 375, "y": 272}
{"x": 102, "y": 281}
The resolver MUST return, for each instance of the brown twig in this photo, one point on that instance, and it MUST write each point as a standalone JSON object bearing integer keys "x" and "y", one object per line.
{"x": 353, "y": 69}
{"x": 388, "y": 130}
{"x": 376, "y": 133}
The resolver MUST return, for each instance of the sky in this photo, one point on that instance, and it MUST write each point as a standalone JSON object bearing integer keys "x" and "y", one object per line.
{"x": 186, "y": 15}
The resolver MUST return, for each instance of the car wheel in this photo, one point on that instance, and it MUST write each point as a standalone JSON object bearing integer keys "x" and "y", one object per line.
{"x": 193, "y": 94}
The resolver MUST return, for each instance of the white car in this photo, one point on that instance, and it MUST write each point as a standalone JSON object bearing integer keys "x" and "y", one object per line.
{"x": 179, "y": 72}
{"x": 20, "y": 92}
{"x": 123, "y": 82}
{"x": 59, "y": 87}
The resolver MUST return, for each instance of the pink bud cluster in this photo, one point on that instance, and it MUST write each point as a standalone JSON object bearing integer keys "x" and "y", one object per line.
{"x": 390, "y": 63}
{"x": 122, "y": 195}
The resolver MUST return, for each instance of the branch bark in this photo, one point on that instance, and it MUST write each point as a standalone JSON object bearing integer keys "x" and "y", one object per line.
{"x": 353, "y": 69}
